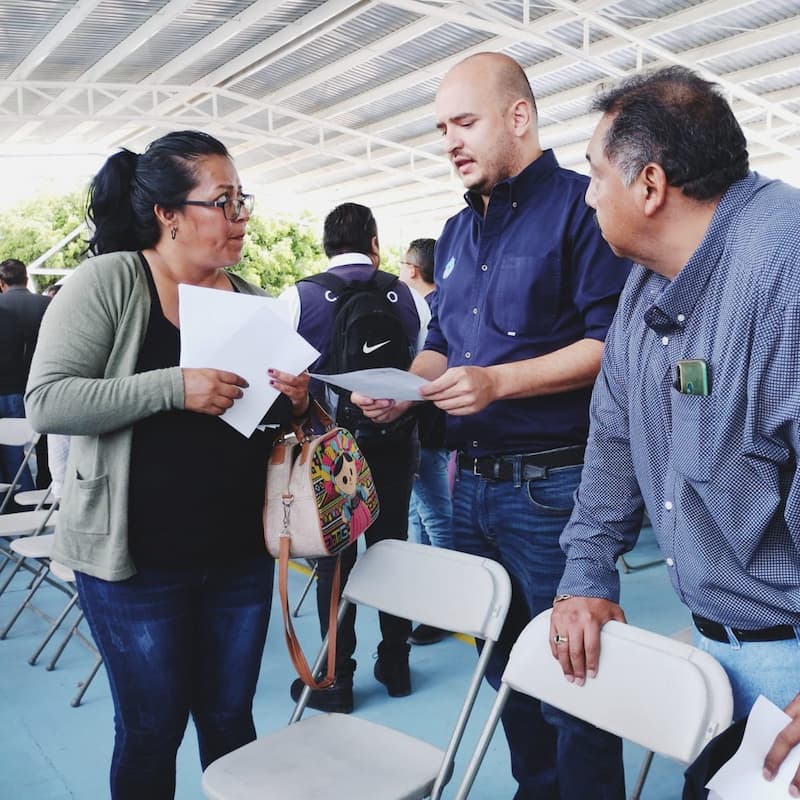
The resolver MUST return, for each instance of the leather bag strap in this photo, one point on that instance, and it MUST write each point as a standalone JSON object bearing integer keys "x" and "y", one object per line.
{"x": 292, "y": 644}
{"x": 305, "y": 429}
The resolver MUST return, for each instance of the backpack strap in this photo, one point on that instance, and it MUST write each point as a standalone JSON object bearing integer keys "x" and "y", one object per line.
{"x": 328, "y": 281}
{"x": 384, "y": 280}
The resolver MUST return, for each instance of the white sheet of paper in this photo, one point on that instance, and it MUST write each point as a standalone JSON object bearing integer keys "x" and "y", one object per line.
{"x": 740, "y": 778}
{"x": 227, "y": 330}
{"x": 209, "y": 316}
{"x": 379, "y": 384}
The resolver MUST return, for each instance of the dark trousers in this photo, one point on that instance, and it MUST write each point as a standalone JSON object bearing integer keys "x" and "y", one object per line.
{"x": 177, "y": 642}
{"x": 392, "y": 467}
{"x": 553, "y": 756}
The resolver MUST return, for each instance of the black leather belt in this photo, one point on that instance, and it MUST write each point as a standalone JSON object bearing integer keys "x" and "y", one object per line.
{"x": 531, "y": 465}
{"x": 715, "y": 631}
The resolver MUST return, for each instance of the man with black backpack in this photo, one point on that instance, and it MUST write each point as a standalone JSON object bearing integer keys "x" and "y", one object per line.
{"x": 359, "y": 317}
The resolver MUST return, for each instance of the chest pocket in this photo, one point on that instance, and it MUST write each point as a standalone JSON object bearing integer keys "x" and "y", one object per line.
{"x": 692, "y": 431}
{"x": 524, "y": 292}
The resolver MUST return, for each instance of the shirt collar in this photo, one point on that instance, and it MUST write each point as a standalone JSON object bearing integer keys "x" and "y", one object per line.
{"x": 349, "y": 259}
{"x": 679, "y": 296}
{"x": 515, "y": 190}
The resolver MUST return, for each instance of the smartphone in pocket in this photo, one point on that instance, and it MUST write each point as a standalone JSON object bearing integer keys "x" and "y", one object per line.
{"x": 693, "y": 376}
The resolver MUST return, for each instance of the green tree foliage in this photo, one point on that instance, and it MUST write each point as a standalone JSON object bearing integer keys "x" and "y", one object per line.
{"x": 35, "y": 226}
{"x": 278, "y": 251}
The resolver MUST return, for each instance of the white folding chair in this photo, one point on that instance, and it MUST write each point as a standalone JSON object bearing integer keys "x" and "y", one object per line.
{"x": 21, "y": 524}
{"x": 38, "y": 549}
{"x": 338, "y": 755}
{"x": 16, "y": 432}
{"x": 653, "y": 690}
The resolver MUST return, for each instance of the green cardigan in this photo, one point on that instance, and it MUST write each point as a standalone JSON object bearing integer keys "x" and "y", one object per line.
{"x": 83, "y": 383}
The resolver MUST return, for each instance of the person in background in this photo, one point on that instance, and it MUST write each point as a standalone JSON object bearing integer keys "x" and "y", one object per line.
{"x": 162, "y": 500}
{"x": 21, "y": 313}
{"x": 430, "y": 509}
{"x": 694, "y": 417}
{"x": 350, "y": 240}
{"x": 526, "y": 289}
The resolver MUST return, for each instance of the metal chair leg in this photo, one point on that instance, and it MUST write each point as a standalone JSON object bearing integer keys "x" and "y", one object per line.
{"x": 37, "y": 582}
{"x": 628, "y": 568}
{"x": 637, "y": 790}
{"x": 53, "y": 628}
{"x": 310, "y": 580}
{"x": 52, "y": 665}
{"x": 76, "y": 701}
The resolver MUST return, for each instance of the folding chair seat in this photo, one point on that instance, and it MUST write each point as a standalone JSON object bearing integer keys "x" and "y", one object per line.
{"x": 35, "y": 497}
{"x": 653, "y": 690}
{"x": 339, "y": 755}
{"x": 21, "y": 524}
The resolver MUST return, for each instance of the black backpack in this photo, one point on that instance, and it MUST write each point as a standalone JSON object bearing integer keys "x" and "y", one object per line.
{"x": 367, "y": 333}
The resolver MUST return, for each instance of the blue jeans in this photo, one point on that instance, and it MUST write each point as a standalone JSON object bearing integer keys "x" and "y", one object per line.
{"x": 177, "y": 642}
{"x": 553, "y": 755}
{"x": 11, "y": 405}
{"x": 754, "y": 668}
{"x": 430, "y": 509}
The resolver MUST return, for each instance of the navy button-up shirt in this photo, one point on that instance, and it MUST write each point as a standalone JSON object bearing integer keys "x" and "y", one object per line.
{"x": 531, "y": 277}
{"x": 717, "y": 474}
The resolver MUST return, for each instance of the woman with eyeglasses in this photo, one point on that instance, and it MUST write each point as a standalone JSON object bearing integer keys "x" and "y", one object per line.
{"x": 161, "y": 514}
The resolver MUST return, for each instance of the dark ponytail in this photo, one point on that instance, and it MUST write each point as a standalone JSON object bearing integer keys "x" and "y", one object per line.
{"x": 125, "y": 191}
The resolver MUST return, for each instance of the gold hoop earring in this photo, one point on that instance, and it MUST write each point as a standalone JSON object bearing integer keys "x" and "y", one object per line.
{"x": 173, "y": 233}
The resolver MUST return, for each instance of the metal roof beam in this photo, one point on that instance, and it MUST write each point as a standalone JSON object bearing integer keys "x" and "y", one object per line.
{"x": 130, "y": 44}
{"x": 672, "y": 58}
{"x": 55, "y": 36}
{"x": 602, "y": 49}
{"x": 303, "y": 30}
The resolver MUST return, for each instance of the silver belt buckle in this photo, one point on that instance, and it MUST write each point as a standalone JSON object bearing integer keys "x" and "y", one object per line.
{"x": 475, "y": 468}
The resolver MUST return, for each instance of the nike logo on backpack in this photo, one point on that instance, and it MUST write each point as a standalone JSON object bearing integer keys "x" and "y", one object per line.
{"x": 371, "y": 348}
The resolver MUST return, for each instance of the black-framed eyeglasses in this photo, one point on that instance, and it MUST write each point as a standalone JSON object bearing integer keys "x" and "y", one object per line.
{"x": 231, "y": 206}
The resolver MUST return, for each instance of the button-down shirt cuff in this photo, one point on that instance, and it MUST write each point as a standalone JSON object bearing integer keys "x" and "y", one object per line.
{"x": 584, "y": 578}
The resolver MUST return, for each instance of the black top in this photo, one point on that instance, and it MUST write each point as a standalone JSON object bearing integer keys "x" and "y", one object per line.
{"x": 21, "y": 314}
{"x": 196, "y": 484}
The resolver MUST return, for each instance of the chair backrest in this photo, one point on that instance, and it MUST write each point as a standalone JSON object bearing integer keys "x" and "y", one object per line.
{"x": 16, "y": 432}
{"x": 665, "y": 695}
{"x": 449, "y": 590}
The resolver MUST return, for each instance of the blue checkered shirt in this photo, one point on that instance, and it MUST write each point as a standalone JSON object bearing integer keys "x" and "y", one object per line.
{"x": 717, "y": 474}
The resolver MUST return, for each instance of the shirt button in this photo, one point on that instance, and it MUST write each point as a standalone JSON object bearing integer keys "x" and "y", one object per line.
{"x": 681, "y": 318}
{"x": 468, "y": 354}
{"x": 670, "y": 562}
{"x": 668, "y": 505}
{"x": 475, "y": 444}
{"x": 474, "y": 310}
{"x": 514, "y": 204}
{"x": 665, "y": 340}
{"x": 484, "y": 267}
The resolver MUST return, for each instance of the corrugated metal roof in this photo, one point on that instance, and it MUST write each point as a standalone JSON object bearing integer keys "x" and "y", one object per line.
{"x": 304, "y": 90}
